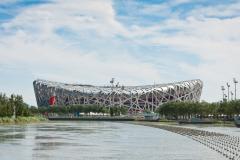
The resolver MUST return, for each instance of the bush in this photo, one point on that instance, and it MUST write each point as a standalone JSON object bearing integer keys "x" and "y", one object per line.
{"x": 186, "y": 110}
{"x": 7, "y": 106}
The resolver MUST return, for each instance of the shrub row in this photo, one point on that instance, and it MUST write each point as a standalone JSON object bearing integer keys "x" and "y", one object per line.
{"x": 186, "y": 110}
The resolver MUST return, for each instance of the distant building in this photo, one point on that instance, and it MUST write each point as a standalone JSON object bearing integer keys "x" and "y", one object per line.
{"x": 135, "y": 98}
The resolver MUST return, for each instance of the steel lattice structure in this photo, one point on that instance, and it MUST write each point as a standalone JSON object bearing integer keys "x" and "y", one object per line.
{"x": 134, "y": 97}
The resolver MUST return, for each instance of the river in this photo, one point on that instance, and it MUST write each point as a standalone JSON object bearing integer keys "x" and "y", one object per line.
{"x": 82, "y": 140}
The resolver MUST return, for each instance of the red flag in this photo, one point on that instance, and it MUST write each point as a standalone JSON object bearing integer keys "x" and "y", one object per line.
{"x": 52, "y": 100}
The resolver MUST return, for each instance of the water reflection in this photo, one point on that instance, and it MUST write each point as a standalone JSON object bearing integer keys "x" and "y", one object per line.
{"x": 11, "y": 133}
{"x": 97, "y": 140}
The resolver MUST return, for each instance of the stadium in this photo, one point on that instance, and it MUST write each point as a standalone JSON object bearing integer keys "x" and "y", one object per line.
{"x": 135, "y": 98}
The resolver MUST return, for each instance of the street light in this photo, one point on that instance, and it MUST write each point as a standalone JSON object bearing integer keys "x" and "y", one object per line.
{"x": 117, "y": 85}
{"x": 228, "y": 86}
{"x": 122, "y": 89}
{"x": 111, "y": 98}
{"x": 231, "y": 95}
{"x": 235, "y": 83}
{"x": 225, "y": 96}
{"x": 14, "y": 112}
{"x": 112, "y": 81}
{"x": 223, "y": 89}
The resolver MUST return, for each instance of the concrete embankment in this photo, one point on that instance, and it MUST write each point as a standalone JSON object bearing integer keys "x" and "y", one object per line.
{"x": 226, "y": 145}
{"x": 91, "y": 118}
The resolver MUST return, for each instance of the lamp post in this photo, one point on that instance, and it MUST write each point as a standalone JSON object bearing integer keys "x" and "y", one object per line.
{"x": 225, "y": 97}
{"x": 235, "y": 83}
{"x": 122, "y": 90}
{"x": 231, "y": 95}
{"x": 131, "y": 99}
{"x": 14, "y": 112}
{"x": 111, "y": 100}
{"x": 152, "y": 96}
{"x": 112, "y": 81}
{"x": 228, "y": 86}
{"x": 223, "y": 89}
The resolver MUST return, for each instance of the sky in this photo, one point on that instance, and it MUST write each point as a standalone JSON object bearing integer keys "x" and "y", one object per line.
{"x": 137, "y": 42}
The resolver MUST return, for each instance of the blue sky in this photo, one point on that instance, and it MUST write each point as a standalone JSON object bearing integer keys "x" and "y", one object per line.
{"x": 137, "y": 42}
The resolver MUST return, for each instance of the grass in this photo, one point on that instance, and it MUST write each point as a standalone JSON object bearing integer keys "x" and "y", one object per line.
{"x": 19, "y": 120}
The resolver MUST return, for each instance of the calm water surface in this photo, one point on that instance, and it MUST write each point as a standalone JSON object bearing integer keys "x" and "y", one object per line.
{"x": 95, "y": 141}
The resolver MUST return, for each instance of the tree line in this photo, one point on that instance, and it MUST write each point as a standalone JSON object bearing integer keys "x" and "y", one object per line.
{"x": 86, "y": 109}
{"x": 187, "y": 110}
{"x": 14, "y": 102}
{"x": 171, "y": 110}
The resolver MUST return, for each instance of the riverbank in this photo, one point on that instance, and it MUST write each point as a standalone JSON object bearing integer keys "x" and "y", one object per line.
{"x": 22, "y": 120}
{"x": 136, "y": 120}
{"x": 91, "y": 118}
{"x": 175, "y": 123}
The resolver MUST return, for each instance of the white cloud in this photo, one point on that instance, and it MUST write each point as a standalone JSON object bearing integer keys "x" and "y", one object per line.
{"x": 31, "y": 42}
{"x": 215, "y": 41}
{"x": 220, "y": 10}
{"x": 97, "y": 16}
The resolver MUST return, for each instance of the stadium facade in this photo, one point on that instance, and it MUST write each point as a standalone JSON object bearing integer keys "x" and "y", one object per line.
{"x": 134, "y": 97}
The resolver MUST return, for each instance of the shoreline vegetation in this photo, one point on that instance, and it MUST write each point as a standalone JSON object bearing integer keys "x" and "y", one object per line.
{"x": 13, "y": 110}
{"x": 79, "y": 110}
{"x": 221, "y": 113}
{"x": 22, "y": 120}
